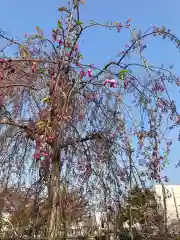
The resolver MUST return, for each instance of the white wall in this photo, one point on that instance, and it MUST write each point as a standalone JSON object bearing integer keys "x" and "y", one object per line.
{"x": 170, "y": 202}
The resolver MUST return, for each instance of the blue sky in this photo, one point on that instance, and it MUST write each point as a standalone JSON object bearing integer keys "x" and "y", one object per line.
{"x": 100, "y": 45}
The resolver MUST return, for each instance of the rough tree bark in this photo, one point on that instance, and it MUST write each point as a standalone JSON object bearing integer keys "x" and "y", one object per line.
{"x": 54, "y": 189}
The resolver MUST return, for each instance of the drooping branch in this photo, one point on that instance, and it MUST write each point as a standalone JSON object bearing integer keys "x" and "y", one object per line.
{"x": 91, "y": 136}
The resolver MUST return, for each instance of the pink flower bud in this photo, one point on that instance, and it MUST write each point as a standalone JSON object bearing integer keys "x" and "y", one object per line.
{"x": 59, "y": 41}
{"x": 126, "y": 46}
{"x": 125, "y": 84}
{"x": 67, "y": 54}
{"x": 76, "y": 47}
{"x": 90, "y": 73}
{"x": 45, "y": 154}
{"x": 82, "y": 74}
{"x": 36, "y": 156}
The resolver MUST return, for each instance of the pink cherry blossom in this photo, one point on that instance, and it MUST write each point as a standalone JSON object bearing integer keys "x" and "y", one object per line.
{"x": 111, "y": 81}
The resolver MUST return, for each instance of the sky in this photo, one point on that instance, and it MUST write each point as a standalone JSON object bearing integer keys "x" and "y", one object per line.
{"x": 100, "y": 45}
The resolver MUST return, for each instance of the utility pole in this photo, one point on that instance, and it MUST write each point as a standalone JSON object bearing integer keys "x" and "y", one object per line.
{"x": 175, "y": 203}
{"x": 165, "y": 209}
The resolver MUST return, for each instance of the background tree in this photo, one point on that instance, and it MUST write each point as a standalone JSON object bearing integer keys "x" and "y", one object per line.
{"x": 25, "y": 211}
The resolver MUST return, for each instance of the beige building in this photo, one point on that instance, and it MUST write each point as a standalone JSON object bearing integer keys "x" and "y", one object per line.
{"x": 172, "y": 194}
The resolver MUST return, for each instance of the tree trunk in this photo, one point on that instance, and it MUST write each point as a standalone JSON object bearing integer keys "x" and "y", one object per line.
{"x": 54, "y": 190}
{"x": 64, "y": 230}
{"x": 64, "y": 222}
{"x": 165, "y": 210}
